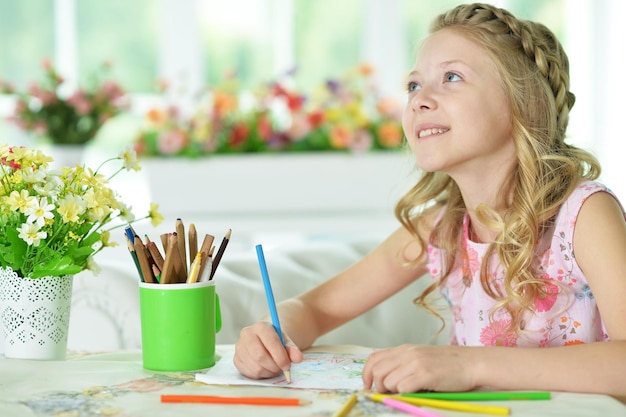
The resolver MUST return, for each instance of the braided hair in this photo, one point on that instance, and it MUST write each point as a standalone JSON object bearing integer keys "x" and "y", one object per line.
{"x": 534, "y": 72}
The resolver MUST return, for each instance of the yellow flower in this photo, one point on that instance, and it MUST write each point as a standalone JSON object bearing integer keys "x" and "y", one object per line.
{"x": 105, "y": 238}
{"x": 60, "y": 215}
{"x": 20, "y": 201}
{"x": 130, "y": 159}
{"x": 155, "y": 217}
{"x": 71, "y": 208}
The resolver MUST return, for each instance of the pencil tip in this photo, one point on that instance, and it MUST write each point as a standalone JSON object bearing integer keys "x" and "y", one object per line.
{"x": 287, "y": 376}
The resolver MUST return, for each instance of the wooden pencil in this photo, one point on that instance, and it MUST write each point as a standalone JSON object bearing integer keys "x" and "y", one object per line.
{"x": 146, "y": 269}
{"x": 220, "y": 253}
{"x": 346, "y": 407}
{"x": 156, "y": 254}
{"x": 164, "y": 238}
{"x": 213, "y": 399}
{"x": 182, "y": 250}
{"x": 167, "y": 273}
{"x": 179, "y": 271}
{"x": 193, "y": 242}
{"x": 133, "y": 254}
{"x": 205, "y": 251}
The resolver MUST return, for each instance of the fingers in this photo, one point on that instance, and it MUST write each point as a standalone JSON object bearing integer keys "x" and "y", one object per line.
{"x": 384, "y": 371}
{"x": 411, "y": 368}
{"x": 260, "y": 354}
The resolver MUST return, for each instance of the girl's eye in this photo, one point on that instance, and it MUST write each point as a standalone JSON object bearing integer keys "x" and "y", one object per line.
{"x": 451, "y": 77}
{"x": 412, "y": 86}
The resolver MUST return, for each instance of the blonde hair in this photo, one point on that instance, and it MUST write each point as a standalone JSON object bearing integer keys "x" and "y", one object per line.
{"x": 534, "y": 72}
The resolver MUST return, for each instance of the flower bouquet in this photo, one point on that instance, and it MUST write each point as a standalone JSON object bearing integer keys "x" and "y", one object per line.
{"x": 52, "y": 223}
{"x": 345, "y": 114}
{"x": 67, "y": 119}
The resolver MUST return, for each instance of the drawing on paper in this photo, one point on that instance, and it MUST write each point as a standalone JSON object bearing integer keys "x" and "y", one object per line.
{"x": 319, "y": 370}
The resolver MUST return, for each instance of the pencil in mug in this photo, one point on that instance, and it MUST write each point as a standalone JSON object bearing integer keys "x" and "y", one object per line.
{"x": 182, "y": 250}
{"x": 192, "y": 236}
{"x": 133, "y": 254}
{"x": 179, "y": 271}
{"x": 144, "y": 263}
{"x": 220, "y": 253}
{"x": 205, "y": 250}
{"x": 194, "y": 269}
{"x": 156, "y": 254}
{"x": 167, "y": 273}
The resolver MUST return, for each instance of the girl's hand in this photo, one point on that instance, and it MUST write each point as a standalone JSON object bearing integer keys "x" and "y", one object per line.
{"x": 259, "y": 353}
{"x": 412, "y": 368}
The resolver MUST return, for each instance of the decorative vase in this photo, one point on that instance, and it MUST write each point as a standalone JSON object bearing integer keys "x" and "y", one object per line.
{"x": 35, "y": 315}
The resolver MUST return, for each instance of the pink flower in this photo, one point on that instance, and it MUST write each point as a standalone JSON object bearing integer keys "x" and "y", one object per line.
{"x": 362, "y": 141}
{"x": 546, "y": 301}
{"x": 80, "y": 101}
{"x": 494, "y": 334}
{"x": 172, "y": 141}
{"x": 46, "y": 97}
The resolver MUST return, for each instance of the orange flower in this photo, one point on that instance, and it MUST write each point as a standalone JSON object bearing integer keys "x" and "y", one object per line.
{"x": 574, "y": 342}
{"x": 156, "y": 116}
{"x": 390, "y": 134}
{"x": 223, "y": 103}
{"x": 365, "y": 69}
{"x": 341, "y": 136}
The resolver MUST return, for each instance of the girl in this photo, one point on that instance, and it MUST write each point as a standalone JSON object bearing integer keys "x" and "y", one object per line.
{"x": 508, "y": 220}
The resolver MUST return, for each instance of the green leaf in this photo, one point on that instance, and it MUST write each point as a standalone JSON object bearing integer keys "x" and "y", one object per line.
{"x": 56, "y": 267}
{"x": 15, "y": 251}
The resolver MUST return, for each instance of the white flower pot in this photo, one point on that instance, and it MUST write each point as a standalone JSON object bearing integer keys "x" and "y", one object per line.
{"x": 34, "y": 315}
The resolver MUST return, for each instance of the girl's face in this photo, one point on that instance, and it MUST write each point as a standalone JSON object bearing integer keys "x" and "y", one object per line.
{"x": 457, "y": 119}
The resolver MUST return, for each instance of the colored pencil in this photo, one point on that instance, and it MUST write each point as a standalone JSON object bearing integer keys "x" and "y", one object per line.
{"x": 346, "y": 407}
{"x": 205, "y": 250}
{"x": 156, "y": 254}
{"x": 482, "y": 395}
{"x": 270, "y": 300}
{"x": 182, "y": 250}
{"x": 167, "y": 271}
{"x": 146, "y": 268}
{"x": 454, "y": 405}
{"x": 212, "y": 399}
{"x": 179, "y": 272}
{"x": 194, "y": 269}
{"x": 192, "y": 235}
{"x": 402, "y": 406}
{"x": 220, "y": 253}
{"x": 131, "y": 249}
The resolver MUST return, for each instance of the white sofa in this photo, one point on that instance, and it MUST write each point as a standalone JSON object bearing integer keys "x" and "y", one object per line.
{"x": 105, "y": 308}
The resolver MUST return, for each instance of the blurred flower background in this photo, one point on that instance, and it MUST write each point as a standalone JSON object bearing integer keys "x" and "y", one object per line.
{"x": 344, "y": 114}
{"x": 57, "y": 116}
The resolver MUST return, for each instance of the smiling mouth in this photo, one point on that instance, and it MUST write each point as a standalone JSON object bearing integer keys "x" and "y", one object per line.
{"x": 429, "y": 132}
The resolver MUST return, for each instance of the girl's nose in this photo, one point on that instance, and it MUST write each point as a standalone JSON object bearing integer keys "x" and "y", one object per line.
{"x": 422, "y": 100}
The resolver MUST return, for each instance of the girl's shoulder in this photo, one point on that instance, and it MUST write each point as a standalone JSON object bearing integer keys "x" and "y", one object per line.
{"x": 572, "y": 205}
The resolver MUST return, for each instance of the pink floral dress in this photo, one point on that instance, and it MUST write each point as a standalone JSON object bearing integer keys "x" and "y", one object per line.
{"x": 568, "y": 315}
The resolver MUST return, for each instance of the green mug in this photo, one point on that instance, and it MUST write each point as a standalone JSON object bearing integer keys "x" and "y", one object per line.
{"x": 178, "y": 325}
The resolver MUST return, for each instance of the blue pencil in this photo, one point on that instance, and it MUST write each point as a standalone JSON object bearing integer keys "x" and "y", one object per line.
{"x": 270, "y": 299}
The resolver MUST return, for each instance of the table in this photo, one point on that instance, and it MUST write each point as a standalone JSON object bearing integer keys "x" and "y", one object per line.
{"x": 115, "y": 384}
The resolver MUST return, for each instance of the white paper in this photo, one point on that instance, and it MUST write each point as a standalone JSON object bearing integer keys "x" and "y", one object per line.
{"x": 324, "y": 367}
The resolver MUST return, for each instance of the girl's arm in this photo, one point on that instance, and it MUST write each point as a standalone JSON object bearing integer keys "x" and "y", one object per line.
{"x": 371, "y": 280}
{"x": 600, "y": 249}
{"x": 600, "y": 367}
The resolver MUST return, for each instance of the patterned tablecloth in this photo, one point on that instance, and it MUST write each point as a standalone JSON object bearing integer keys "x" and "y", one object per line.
{"x": 115, "y": 384}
